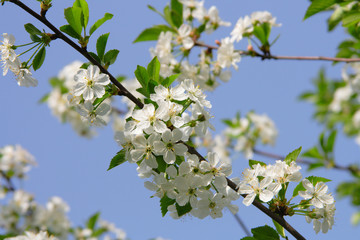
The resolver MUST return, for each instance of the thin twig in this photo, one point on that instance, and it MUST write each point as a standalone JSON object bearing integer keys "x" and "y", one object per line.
{"x": 270, "y": 56}
{"x": 8, "y": 181}
{"x": 350, "y": 168}
{"x": 242, "y": 225}
{"x": 124, "y": 92}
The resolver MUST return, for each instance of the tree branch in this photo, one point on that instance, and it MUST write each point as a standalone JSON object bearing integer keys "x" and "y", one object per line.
{"x": 351, "y": 168}
{"x": 124, "y": 92}
{"x": 269, "y": 56}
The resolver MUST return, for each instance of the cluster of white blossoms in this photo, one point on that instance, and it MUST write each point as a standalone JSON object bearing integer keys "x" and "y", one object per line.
{"x": 265, "y": 182}
{"x": 245, "y": 26}
{"x": 42, "y": 235}
{"x": 15, "y": 162}
{"x": 10, "y": 61}
{"x": 72, "y": 95}
{"x": 247, "y": 131}
{"x": 154, "y": 137}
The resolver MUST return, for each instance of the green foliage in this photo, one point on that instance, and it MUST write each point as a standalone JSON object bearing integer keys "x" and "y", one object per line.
{"x": 82, "y": 4}
{"x": 182, "y": 210}
{"x": 350, "y": 189}
{"x": 73, "y": 17}
{"x": 91, "y": 222}
{"x": 169, "y": 80}
{"x": 162, "y": 165}
{"x": 39, "y": 58}
{"x": 280, "y": 229}
{"x": 165, "y": 202}
{"x": 100, "y": 22}
{"x": 101, "y": 45}
{"x": 31, "y": 29}
{"x": 152, "y": 34}
{"x": 154, "y": 69}
{"x": 118, "y": 159}
{"x": 317, "y": 6}
{"x": 291, "y": 157}
{"x": 176, "y": 13}
{"x": 110, "y": 56}
{"x": 70, "y": 31}
{"x": 255, "y": 162}
{"x": 265, "y": 233}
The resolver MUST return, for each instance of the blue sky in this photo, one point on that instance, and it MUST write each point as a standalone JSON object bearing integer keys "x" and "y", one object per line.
{"x": 75, "y": 168}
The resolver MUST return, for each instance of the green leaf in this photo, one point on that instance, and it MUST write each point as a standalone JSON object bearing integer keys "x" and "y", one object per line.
{"x": 248, "y": 238}
{"x": 280, "y": 229}
{"x": 98, "y": 232}
{"x": 331, "y": 141}
{"x": 100, "y": 22}
{"x": 85, "y": 11}
{"x": 182, "y": 210}
{"x": 70, "y": 31}
{"x": 313, "y": 153}
{"x": 118, "y": 159}
{"x": 267, "y": 30}
{"x": 101, "y": 45}
{"x": 152, "y": 34}
{"x": 94, "y": 56}
{"x": 298, "y": 188}
{"x": 350, "y": 19}
{"x": 154, "y": 69}
{"x": 39, "y": 58}
{"x": 142, "y": 76}
{"x": 143, "y": 91}
{"x": 315, "y": 165}
{"x": 167, "y": 16}
{"x": 265, "y": 233}
{"x": 254, "y": 162}
{"x": 335, "y": 18}
{"x": 92, "y": 221}
{"x": 260, "y": 34}
{"x": 73, "y": 17}
{"x": 154, "y": 10}
{"x": 44, "y": 98}
{"x": 165, "y": 202}
{"x": 317, "y": 6}
{"x": 169, "y": 80}
{"x": 32, "y": 29}
{"x": 161, "y": 163}
{"x": 35, "y": 38}
{"x": 110, "y": 56}
{"x": 176, "y": 13}
{"x": 292, "y": 156}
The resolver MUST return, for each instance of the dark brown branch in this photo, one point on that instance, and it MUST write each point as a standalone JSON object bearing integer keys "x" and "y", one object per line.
{"x": 269, "y": 56}
{"x": 351, "y": 168}
{"x": 124, "y": 92}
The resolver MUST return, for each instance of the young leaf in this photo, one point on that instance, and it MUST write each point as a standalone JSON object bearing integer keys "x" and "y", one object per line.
{"x": 254, "y": 162}
{"x": 167, "y": 16}
{"x": 280, "y": 229}
{"x": 85, "y": 11}
{"x": 118, "y": 159}
{"x": 92, "y": 221}
{"x": 143, "y": 91}
{"x": 39, "y": 58}
{"x": 142, "y": 76}
{"x": 176, "y": 13}
{"x": 169, "y": 80}
{"x": 94, "y": 56}
{"x": 152, "y": 34}
{"x": 351, "y": 18}
{"x": 260, "y": 34}
{"x": 265, "y": 232}
{"x": 110, "y": 56}
{"x": 313, "y": 153}
{"x": 292, "y": 156}
{"x": 101, "y": 45}
{"x": 182, "y": 210}
{"x": 154, "y": 69}
{"x": 331, "y": 141}
{"x": 161, "y": 163}
{"x": 317, "y": 6}
{"x": 32, "y": 29}
{"x": 165, "y": 202}
{"x": 100, "y": 22}
{"x": 70, "y": 31}
{"x": 73, "y": 17}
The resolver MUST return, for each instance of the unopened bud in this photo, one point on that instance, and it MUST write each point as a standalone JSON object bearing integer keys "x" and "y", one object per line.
{"x": 250, "y": 48}
{"x": 218, "y": 42}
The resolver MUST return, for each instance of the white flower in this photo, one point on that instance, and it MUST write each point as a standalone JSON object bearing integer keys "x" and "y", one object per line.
{"x": 227, "y": 56}
{"x": 144, "y": 148}
{"x": 264, "y": 16}
{"x": 214, "y": 20}
{"x": 90, "y": 83}
{"x": 317, "y": 194}
{"x": 42, "y": 235}
{"x": 96, "y": 117}
{"x": 68, "y": 73}
{"x": 148, "y": 119}
{"x": 163, "y": 48}
{"x": 167, "y": 94}
{"x": 125, "y": 139}
{"x": 195, "y": 93}
{"x": 255, "y": 188}
{"x": 341, "y": 95}
{"x": 188, "y": 190}
{"x": 6, "y": 50}
{"x": 184, "y": 36}
{"x": 16, "y": 160}
{"x": 169, "y": 147}
{"x": 243, "y": 25}
{"x": 323, "y": 218}
{"x": 210, "y": 204}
